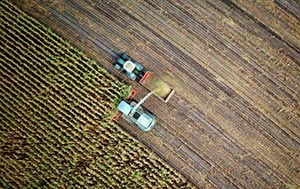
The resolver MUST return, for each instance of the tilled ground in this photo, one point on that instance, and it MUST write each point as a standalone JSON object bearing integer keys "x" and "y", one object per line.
{"x": 234, "y": 119}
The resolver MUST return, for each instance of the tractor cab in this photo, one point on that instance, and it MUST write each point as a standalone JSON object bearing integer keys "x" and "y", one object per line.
{"x": 134, "y": 113}
{"x": 131, "y": 68}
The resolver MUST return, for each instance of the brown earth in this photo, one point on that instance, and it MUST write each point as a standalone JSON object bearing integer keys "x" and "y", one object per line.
{"x": 234, "y": 121}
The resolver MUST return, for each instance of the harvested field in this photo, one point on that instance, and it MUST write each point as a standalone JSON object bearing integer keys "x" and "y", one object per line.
{"x": 234, "y": 121}
{"x": 55, "y": 117}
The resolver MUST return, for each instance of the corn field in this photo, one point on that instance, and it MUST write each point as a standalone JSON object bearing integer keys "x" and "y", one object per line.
{"x": 55, "y": 118}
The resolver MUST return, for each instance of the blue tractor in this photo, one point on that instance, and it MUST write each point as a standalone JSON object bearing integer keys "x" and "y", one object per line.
{"x": 131, "y": 68}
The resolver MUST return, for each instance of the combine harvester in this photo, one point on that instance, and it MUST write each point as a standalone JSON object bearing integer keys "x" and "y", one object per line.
{"x": 131, "y": 110}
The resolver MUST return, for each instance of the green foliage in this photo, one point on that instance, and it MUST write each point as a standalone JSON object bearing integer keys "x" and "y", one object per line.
{"x": 292, "y": 186}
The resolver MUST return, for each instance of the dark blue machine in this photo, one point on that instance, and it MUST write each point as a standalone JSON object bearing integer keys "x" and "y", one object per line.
{"x": 131, "y": 68}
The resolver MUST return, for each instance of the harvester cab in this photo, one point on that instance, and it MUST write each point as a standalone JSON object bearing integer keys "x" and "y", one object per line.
{"x": 133, "y": 112}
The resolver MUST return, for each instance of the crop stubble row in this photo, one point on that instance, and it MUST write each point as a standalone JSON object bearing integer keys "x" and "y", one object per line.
{"x": 253, "y": 117}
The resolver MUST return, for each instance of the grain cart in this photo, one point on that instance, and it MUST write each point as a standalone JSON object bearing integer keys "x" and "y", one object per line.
{"x": 135, "y": 71}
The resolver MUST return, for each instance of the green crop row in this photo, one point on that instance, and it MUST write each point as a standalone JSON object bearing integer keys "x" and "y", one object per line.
{"x": 66, "y": 72}
{"x": 69, "y": 95}
{"x": 28, "y": 34}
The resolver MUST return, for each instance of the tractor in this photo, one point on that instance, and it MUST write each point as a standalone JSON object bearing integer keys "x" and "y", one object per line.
{"x": 131, "y": 68}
